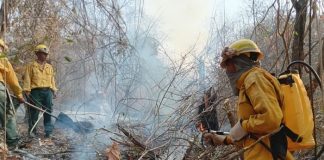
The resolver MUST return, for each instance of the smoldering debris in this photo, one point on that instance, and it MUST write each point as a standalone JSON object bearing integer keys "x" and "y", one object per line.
{"x": 83, "y": 127}
{"x": 64, "y": 121}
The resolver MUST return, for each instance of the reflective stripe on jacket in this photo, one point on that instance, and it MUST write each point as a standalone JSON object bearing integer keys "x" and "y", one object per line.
{"x": 37, "y": 77}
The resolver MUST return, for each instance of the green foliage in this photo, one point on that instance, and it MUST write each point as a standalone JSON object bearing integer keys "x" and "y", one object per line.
{"x": 46, "y": 38}
{"x": 16, "y": 59}
{"x": 2, "y": 55}
{"x": 69, "y": 41}
{"x": 68, "y": 58}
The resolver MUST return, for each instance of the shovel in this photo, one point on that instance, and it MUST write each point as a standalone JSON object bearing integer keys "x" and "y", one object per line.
{"x": 62, "y": 119}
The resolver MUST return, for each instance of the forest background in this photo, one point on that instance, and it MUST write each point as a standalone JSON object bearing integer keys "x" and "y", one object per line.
{"x": 112, "y": 60}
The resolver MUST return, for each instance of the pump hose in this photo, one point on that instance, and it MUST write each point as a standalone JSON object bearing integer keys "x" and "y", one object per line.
{"x": 319, "y": 154}
{"x": 309, "y": 67}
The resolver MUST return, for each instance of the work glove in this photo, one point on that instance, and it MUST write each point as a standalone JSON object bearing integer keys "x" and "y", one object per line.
{"x": 237, "y": 132}
{"x": 214, "y": 139}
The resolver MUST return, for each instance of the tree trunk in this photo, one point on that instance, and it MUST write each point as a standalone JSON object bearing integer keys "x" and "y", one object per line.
{"x": 319, "y": 70}
{"x": 3, "y": 18}
{"x": 299, "y": 31}
{"x": 4, "y": 12}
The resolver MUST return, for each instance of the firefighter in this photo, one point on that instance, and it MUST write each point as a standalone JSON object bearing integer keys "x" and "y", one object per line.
{"x": 39, "y": 88}
{"x": 259, "y": 102}
{"x": 7, "y": 111}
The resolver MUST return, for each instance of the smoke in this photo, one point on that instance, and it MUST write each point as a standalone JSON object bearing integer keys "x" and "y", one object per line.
{"x": 128, "y": 79}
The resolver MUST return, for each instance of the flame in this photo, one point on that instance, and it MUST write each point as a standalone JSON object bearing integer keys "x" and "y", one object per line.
{"x": 201, "y": 127}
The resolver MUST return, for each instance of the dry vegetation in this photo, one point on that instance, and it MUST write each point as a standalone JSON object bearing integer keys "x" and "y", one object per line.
{"x": 98, "y": 49}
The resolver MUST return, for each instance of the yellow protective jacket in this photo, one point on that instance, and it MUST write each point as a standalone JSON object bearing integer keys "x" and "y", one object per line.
{"x": 37, "y": 77}
{"x": 8, "y": 77}
{"x": 259, "y": 106}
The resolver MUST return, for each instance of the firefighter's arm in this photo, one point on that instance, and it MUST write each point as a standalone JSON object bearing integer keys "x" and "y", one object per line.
{"x": 12, "y": 81}
{"x": 215, "y": 139}
{"x": 53, "y": 84}
{"x": 26, "y": 79}
{"x": 262, "y": 96}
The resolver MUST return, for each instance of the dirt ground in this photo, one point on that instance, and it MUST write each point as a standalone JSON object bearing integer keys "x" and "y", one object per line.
{"x": 64, "y": 144}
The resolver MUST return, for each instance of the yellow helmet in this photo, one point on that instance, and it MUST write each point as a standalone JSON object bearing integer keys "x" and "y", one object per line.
{"x": 3, "y": 44}
{"x": 242, "y": 46}
{"x": 42, "y": 48}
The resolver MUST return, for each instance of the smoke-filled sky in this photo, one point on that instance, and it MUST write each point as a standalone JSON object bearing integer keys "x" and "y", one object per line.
{"x": 186, "y": 22}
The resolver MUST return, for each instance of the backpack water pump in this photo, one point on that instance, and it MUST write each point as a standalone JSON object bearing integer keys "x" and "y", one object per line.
{"x": 298, "y": 114}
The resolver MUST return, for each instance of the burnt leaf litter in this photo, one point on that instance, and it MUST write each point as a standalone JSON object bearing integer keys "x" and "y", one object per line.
{"x": 65, "y": 143}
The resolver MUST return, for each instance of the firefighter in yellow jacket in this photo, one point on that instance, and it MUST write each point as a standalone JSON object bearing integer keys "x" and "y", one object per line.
{"x": 39, "y": 87}
{"x": 258, "y": 107}
{"x": 7, "y": 112}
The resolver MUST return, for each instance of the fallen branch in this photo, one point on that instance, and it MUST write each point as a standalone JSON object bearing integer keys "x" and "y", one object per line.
{"x": 104, "y": 129}
{"x": 26, "y": 154}
{"x": 188, "y": 152}
{"x": 122, "y": 143}
{"x": 137, "y": 143}
{"x": 65, "y": 152}
{"x": 230, "y": 116}
{"x": 206, "y": 152}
